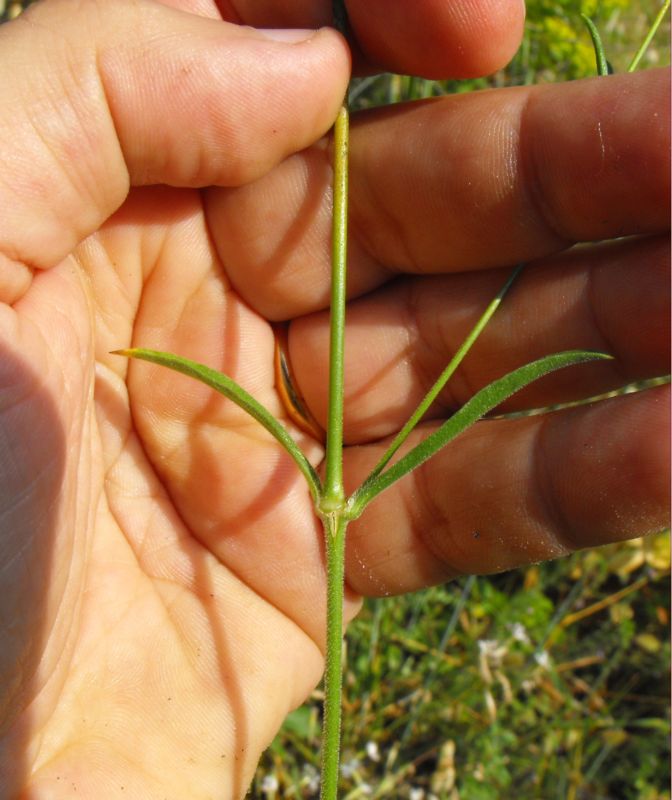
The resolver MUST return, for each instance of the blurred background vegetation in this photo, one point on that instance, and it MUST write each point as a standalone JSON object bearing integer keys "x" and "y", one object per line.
{"x": 541, "y": 683}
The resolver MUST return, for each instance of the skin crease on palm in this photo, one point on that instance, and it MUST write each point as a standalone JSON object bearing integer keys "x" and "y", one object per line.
{"x": 165, "y": 183}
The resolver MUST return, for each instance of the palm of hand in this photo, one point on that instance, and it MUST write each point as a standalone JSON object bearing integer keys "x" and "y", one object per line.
{"x": 178, "y": 590}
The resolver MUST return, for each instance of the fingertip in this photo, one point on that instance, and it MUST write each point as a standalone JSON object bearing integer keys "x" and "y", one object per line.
{"x": 493, "y": 32}
{"x": 437, "y": 39}
{"x": 652, "y": 479}
{"x": 608, "y": 468}
{"x": 337, "y": 59}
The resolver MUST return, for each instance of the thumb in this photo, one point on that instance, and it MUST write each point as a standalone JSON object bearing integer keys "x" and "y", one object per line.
{"x": 129, "y": 93}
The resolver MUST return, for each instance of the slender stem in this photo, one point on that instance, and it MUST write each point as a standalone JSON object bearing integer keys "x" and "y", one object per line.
{"x": 649, "y": 36}
{"x": 332, "y": 500}
{"x": 333, "y": 485}
{"x": 335, "y": 527}
{"x": 445, "y": 376}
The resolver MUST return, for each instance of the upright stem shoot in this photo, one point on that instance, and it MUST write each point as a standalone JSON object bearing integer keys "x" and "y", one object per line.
{"x": 333, "y": 486}
{"x": 332, "y": 504}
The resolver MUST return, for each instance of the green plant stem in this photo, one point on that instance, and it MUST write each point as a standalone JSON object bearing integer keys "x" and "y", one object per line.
{"x": 445, "y": 376}
{"x": 332, "y": 499}
{"x": 334, "y": 528}
{"x": 332, "y": 502}
{"x": 649, "y": 36}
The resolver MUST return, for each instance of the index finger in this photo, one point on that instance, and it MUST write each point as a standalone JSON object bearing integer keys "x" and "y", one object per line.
{"x": 460, "y": 183}
{"x": 433, "y": 38}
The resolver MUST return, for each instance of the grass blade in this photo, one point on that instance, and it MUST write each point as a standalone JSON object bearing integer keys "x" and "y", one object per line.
{"x": 603, "y": 66}
{"x": 234, "y": 392}
{"x": 445, "y": 376}
{"x": 479, "y": 405}
{"x": 649, "y": 36}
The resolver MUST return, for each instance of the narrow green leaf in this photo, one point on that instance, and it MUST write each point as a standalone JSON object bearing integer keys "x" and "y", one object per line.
{"x": 649, "y": 36}
{"x": 445, "y": 376}
{"x": 479, "y": 405}
{"x": 234, "y": 392}
{"x": 603, "y": 66}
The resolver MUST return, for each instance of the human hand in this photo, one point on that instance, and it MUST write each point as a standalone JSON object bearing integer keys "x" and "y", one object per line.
{"x": 445, "y": 196}
{"x": 162, "y": 583}
{"x": 152, "y": 643}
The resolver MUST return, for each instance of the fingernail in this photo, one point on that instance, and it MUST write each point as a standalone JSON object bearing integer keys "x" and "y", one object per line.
{"x": 288, "y": 35}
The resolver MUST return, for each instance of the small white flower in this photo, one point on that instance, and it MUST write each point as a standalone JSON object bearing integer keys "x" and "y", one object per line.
{"x": 543, "y": 659}
{"x": 519, "y": 633}
{"x": 492, "y": 650}
{"x": 311, "y": 778}
{"x": 416, "y": 793}
{"x": 349, "y": 768}
{"x": 372, "y": 751}
{"x": 269, "y": 784}
{"x": 490, "y": 654}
